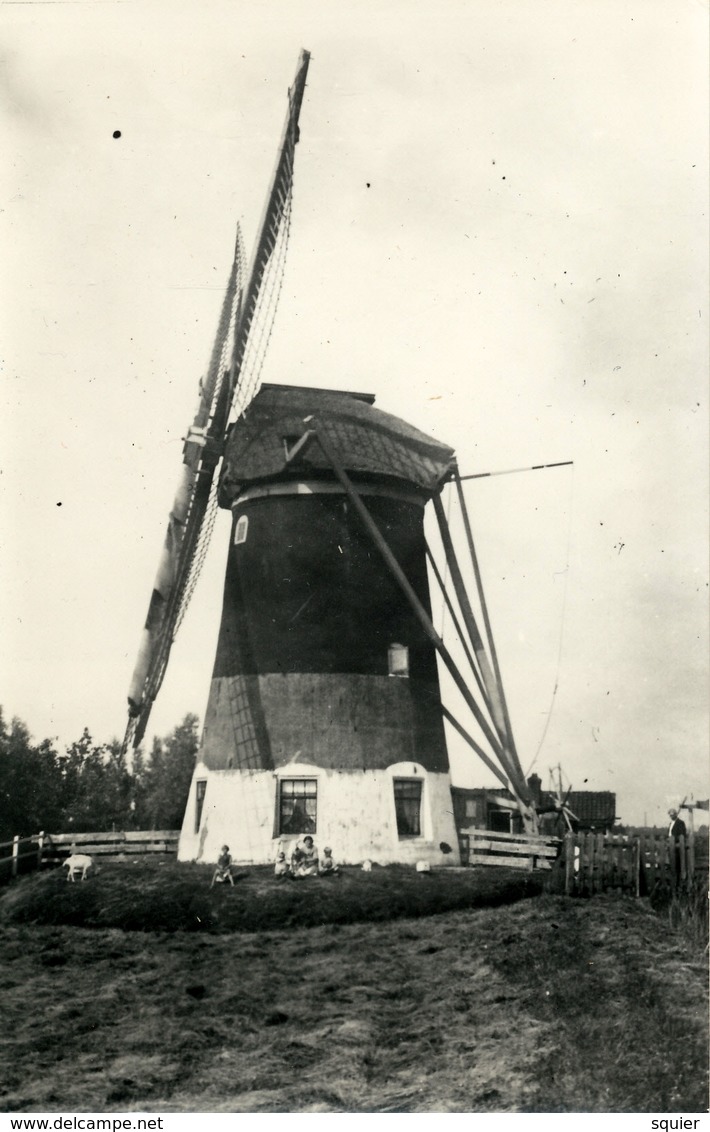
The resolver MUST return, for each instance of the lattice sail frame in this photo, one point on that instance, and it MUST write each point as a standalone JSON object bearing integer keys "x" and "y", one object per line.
{"x": 244, "y": 330}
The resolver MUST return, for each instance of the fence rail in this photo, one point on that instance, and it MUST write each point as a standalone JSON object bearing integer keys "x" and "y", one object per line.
{"x": 512, "y": 850}
{"x": 24, "y": 854}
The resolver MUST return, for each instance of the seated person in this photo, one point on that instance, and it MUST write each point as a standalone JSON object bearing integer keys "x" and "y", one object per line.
{"x": 281, "y": 865}
{"x": 296, "y": 856}
{"x": 306, "y": 864}
{"x": 327, "y": 866}
{"x": 224, "y": 867}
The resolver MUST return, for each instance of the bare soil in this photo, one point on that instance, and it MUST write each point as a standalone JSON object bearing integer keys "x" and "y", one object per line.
{"x": 548, "y": 1004}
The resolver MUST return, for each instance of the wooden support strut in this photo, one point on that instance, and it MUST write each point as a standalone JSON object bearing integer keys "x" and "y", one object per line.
{"x": 469, "y": 619}
{"x": 508, "y": 758}
{"x": 474, "y": 745}
{"x": 401, "y": 578}
{"x": 486, "y": 622}
{"x": 457, "y": 625}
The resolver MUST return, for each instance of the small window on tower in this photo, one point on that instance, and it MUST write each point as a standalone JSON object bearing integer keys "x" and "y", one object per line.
{"x": 240, "y": 531}
{"x": 298, "y": 799}
{"x": 398, "y": 660}
{"x": 408, "y": 806}
{"x": 200, "y": 791}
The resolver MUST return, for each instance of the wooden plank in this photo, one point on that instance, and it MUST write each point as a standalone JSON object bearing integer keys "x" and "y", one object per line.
{"x": 525, "y": 848}
{"x": 120, "y": 836}
{"x": 508, "y": 862}
{"x": 119, "y": 850}
{"x": 152, "y": 835}
{"x": 13, "y": 847}
{"x": 612, "y": 855}
{"x": 84, "y": 838}
{"x": 569, "y": 850}
{"x": 23, "y": 856}
{"x": 590, "y": 863}
{"x": 473, "y": 831}
{"x": 578, "y": 867}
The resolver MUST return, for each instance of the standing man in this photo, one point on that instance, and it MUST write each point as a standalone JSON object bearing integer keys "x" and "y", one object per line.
{"x": 676, "y": 830}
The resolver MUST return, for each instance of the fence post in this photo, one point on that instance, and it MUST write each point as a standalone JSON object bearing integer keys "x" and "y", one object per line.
{"x": 569, "y": 858}
{"x": 40, "y": 849}
{"x": 589, "y": 838}
{"x": 691, "y": 856}
{"x": 649, "y": 863}
{"x": 679, "y": 851}
{"x": 15, "y": 853}
{"x": 636, "y": 874}
{"x": 601, "y": 862}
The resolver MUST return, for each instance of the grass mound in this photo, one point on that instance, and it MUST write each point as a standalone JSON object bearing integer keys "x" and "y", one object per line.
{"x": 162, "y": 895}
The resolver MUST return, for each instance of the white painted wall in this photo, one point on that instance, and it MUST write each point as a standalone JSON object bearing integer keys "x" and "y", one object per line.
{"x": 355, "y": 816}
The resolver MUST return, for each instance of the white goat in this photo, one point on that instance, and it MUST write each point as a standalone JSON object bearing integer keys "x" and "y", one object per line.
{"x": 78, "y": 863}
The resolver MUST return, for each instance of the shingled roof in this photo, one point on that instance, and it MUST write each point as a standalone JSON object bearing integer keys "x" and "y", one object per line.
{"x": 367, "y": 441}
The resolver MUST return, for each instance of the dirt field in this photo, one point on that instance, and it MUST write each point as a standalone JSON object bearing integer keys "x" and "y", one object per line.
{"x": 543, "y": 1005}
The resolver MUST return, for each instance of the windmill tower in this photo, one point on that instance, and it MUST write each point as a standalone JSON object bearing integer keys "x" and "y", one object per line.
{"x": 325, "y": 712}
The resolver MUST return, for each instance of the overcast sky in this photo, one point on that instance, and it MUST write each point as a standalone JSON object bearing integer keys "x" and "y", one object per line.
{"x": 499, "y": 229}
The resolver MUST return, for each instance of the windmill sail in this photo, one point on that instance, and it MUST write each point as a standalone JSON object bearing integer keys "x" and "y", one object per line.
{"x": 245, "y": 325}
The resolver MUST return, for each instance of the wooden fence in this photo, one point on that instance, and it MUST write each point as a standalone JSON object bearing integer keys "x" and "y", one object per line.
{"x": 595, "y": 862}
{"x": 21, "y": 855}
{"x": 25, "y": 854}
{"x": 513, "y": 850}
{"x": 585, "y": 863}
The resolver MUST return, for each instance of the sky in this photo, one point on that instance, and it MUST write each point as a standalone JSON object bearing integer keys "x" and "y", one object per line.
{"x": 499, "y": 228}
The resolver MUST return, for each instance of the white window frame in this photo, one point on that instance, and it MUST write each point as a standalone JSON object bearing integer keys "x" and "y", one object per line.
{"x": 241, "y": 530}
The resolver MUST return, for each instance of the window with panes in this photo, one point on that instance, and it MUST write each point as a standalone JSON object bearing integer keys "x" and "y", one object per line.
{"x": 298, "y": 800}
{"x": 408, "y": 806}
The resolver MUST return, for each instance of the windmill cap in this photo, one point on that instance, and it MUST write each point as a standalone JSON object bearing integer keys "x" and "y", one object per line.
{"x": 366, "y": 441}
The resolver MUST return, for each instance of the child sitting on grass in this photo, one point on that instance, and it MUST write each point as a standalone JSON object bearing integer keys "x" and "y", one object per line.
{"x": 224, "y": 867}
{"x": 281, "y": 865}
{"x": 327, "y": 865}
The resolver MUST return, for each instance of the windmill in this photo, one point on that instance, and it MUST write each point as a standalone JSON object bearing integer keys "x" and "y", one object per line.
{"x": 555, "y": 802}
{"x": 325, "y": 713}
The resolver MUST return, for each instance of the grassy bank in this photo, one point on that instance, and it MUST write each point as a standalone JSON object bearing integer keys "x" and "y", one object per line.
{"x": 158, "y": 894}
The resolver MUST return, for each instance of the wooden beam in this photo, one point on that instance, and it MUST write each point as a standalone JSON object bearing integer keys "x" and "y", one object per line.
{"x": 509, "y": 763}
{"x": 489, "y": 631}
{"x": 476, "y": 746}
{"x": 419, "y": 610}
{"x": 457, "y": 625}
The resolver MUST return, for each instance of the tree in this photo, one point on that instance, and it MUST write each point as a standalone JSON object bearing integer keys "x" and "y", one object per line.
{"x": 168, "y": 775}
{"x": 91, "y": 787}
{"x": 96, "y": 786}
{"x": 29, "y": 782}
